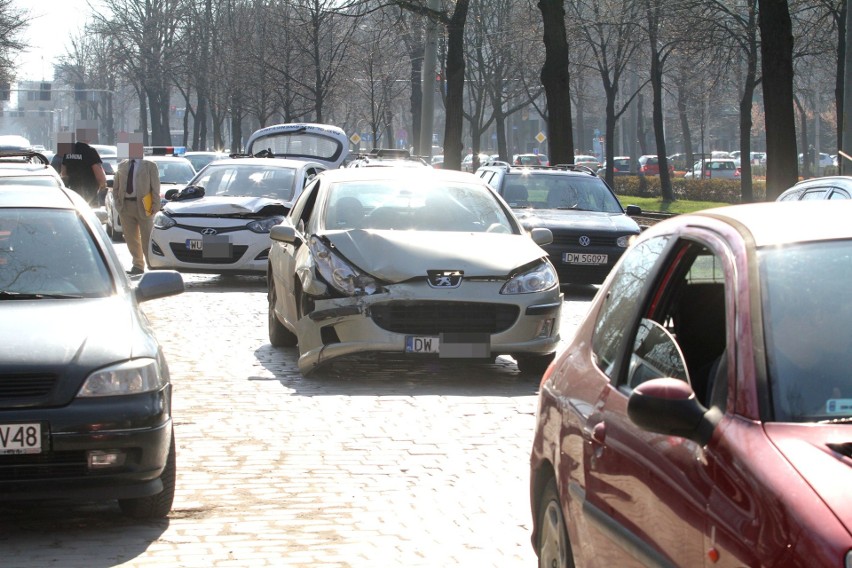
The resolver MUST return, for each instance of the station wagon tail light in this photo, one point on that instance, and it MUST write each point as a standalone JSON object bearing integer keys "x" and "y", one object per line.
{"x": 264, "y": 225}
{"x": 341, "y": 275}
{"x": 131, "y": 377}
{"x": 537, "y": 279}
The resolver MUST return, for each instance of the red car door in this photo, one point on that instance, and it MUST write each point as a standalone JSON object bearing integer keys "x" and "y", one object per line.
{"x": 651, "y": 491}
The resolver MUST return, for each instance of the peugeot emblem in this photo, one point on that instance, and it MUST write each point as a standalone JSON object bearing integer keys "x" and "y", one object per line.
{"x": 209, "y": 232}
{"x": 585, "y": 241}
{"x": 445, "y": 278}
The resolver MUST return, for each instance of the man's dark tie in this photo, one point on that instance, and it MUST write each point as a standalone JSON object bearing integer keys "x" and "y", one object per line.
{"x": 130, "y": 177}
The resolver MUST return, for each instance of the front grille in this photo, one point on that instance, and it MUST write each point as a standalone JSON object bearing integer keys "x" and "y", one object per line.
{"x": 50, "y": 465}
{"x": 433, "y": 318}
{"x": 25, "y": 386}
{"x": 573, "y": 239}
{"x": 197, "y": 257}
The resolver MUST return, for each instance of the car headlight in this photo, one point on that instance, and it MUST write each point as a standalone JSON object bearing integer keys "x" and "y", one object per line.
{"x": 264, "y": 225}
{"x": 163, "y": 221}
{"x": 538, "y": 278}
{"x": 625, "y": 240}
{"x": 131, "y": 377}
{"x": 344, "y": 277}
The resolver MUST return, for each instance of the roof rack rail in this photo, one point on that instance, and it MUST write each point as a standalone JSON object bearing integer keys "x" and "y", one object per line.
{"x": 25, "y": 155}
{"x": 575, "y": 167}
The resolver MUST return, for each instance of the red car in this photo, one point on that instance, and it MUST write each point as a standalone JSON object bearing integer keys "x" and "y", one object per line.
{"x": 702, "y": 413}
{"x": 649, "y": 165}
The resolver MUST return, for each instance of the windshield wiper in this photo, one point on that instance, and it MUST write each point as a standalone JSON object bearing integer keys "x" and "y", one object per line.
{"x": 7, "y": 295}
{"x": 841, "y": 420}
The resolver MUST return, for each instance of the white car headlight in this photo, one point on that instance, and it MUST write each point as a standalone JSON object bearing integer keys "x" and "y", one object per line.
{"x": 163, "y": 221}
{"x": 340, "y": 274}
{"x": 625, "y": 240}
{"x": 537, "y": 279}
{"x": 131, "y": 377}
{"x": 264, "y": 225}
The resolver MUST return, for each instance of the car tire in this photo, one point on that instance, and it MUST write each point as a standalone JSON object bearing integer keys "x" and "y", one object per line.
{"x": 155, "y": 506}
{"x": 553, "y": 546}
{"x": 279, "y": 336}
{"x": 113, "y": 234}
{"x": 534, "y": 364}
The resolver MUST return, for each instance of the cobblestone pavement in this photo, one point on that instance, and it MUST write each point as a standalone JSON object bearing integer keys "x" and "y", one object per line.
{"x": 391, "y": 464}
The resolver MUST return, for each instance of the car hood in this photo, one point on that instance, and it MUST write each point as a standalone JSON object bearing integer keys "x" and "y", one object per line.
{"x": 396, "y": 256}
{"x": 576, "y": 220}
{"x": 78, "y": 333}
{"x": 225, "y": 205}
{"x": 818, "y": 453}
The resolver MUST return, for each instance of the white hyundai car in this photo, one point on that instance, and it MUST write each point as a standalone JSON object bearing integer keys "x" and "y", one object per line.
{"x": 219, "y": 223}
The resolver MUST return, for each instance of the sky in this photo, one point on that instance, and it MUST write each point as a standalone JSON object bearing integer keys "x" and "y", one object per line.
{"x": 51, "y": 26}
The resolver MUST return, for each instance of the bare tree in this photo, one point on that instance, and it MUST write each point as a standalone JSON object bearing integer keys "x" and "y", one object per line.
{"x": 736, "y": 23}
{"x": 609, "y": 30}
{"x": 776, "y": 50}
{"x": 143, "y": 35}
{"x": 556, "y": 80}
{"x": 13, "y": 23}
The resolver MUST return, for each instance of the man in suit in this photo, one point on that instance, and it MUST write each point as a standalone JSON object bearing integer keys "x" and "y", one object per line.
{"x": 136, "y": 193}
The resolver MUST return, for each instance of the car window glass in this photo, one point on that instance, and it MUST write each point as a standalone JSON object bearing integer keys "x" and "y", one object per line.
{"x": 808, "y": 329}
{"x": 247, "y": 180}
{"x": 304, "y": 204}
{"x": 47, "y": 251}
{"x": 432, "y": 206}
{"x": 815, "y": 194}
{"x": 688, "y": 339}
{"x": 553, "y": 191}
{"x": 838, "y": 194}
{"x": 621, "y": 304}
{"x": 655, "y": 355}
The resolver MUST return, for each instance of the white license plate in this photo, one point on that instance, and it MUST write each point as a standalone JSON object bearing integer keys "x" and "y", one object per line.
{"x": 194, "y": 244}
{"x": 20, "y": 438}
{"x": 421, "y": 344}
{"x": 584, "y": 258}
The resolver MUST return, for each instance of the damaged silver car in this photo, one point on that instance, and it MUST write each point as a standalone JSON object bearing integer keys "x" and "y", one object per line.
{"x": 220, "y": 222}
{"x": 377, "y": 261}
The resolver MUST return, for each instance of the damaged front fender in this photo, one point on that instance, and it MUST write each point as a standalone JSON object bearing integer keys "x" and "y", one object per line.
{"x": 307, "y": 274}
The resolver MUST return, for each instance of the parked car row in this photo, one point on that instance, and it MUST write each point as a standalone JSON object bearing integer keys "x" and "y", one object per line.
{"x": 705, "y": 391}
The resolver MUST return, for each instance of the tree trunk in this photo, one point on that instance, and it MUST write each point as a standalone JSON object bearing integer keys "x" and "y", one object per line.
{"x": 455, "y": 87}
{"x": 686, "y": 132}
{"x": 776, "y": 48}
{"x": 659, "y": 132}
{"x": 555, "y": 79}
{"x": 416, "y": 100}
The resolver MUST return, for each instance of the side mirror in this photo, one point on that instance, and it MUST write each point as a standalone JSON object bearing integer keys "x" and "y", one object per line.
{"x": 541, "y": 236}
{"x": 669, "y": 406}
{"x": 285, "y": 233}
{"x": 633, "y": 210}
{"x": 158, "y": 284}
{"x": 170, "y": 194}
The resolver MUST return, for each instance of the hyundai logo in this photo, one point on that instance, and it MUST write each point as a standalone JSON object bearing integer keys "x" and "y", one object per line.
{"x": 209, "y": 232}
{"x": 445, "y": 278}
{"x": 585, "y": 241}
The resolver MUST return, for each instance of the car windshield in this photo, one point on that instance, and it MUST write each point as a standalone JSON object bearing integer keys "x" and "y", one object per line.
{"x": 175, "y": 171}
{"x": 39, "y": 180}
{"x": 549, "y": 191}
{"x": 808, "y": 330}
{"x": 49, "y": 253}
{"x": 248, "y": 180}
{"x": 423, "y": 206}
